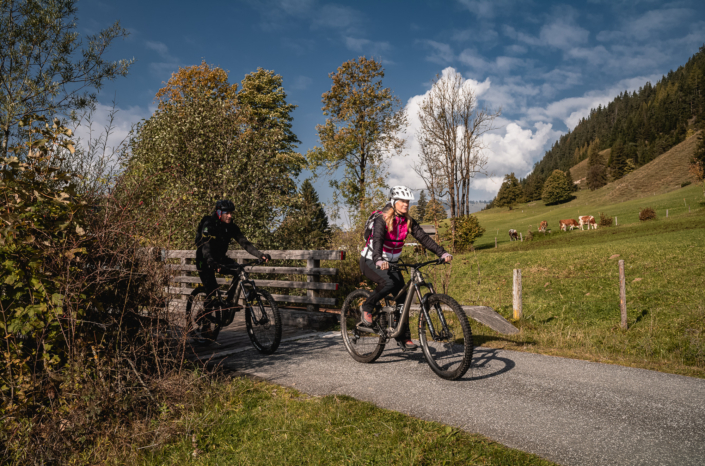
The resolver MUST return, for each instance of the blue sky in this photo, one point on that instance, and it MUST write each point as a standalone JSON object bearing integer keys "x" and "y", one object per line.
{"x": 544, "y": 63}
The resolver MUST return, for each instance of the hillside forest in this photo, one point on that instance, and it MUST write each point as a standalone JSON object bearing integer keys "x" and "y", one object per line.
{"x": 637, "y": 126}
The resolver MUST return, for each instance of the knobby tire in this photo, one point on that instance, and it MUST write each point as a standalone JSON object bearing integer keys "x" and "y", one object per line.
{"x": 264, "y": 337}
{"x": 450, "y": 355}
{"x": 363, "y": 347}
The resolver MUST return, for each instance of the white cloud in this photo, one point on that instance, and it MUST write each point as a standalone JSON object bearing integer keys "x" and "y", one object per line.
{"x": 168, "y": 64}
{"x": 440, "y": 53}
{"x": 509, "y": 148}
{"x": 301, "y": 83}
{"x": 361, "y": 45}
{"x": 647, "y": 25}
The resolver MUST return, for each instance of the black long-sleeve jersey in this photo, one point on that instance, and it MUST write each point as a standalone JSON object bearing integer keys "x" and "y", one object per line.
{"x": 216, "y": 237}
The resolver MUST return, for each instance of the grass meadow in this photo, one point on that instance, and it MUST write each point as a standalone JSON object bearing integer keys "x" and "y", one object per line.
{"x": 570, "y": 281}
{"x": 246, "y": 422}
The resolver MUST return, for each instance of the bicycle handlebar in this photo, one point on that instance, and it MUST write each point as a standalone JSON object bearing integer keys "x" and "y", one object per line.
{"x": 417, "y": 266}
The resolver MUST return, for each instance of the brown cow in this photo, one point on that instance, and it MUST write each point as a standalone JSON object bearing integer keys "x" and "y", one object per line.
{"x": 588, "y": 220}
{"x": 568, "y": 223}
{"x": 543, "y": 226}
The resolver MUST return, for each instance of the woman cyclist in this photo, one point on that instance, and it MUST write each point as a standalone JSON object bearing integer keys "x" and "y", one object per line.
{"x": 384, "y": 245}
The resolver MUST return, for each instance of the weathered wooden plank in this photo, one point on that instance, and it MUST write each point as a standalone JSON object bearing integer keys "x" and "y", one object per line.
{"x": 313, "y": 279}
{"x": 276, "y": 254}
{"x": 269, "y": 283}
{"x": 277, "y": 297}
{"x": 277, "y": 270}
{"x": 303, "y": 299}
{"x": 484, "y": 315}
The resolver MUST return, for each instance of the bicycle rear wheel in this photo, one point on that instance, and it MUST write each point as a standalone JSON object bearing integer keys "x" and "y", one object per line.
{"x": 264, "y": 324}
{"x": 198, "y": 326}
{"x": 448, "y": 349}
{"x": 363, "y": 346}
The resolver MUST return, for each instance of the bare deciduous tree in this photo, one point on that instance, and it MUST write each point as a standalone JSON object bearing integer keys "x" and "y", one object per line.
{"x": 452, "y": 152}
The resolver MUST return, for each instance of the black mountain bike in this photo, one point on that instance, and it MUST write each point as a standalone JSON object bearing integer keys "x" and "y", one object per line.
{"x": 205, "y": 319}
{"x": 443, "y": 328}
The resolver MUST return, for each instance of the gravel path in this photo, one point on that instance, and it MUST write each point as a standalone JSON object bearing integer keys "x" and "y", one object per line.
{"x": 569, "y": 411}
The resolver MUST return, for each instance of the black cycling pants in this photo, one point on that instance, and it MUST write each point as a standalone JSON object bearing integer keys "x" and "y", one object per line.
{"x": 388, "y": 282}
{"x": 207, "y": 275}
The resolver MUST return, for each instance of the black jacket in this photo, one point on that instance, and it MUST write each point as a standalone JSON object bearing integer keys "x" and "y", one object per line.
{"x": 380, "y": 230}
{"x": 216, "y": 237}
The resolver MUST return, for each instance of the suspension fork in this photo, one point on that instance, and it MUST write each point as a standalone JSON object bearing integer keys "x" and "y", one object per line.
{"x": 426, "y": 312}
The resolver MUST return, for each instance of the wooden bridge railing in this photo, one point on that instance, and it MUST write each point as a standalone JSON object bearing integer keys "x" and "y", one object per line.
{"x": 185, "y": 278}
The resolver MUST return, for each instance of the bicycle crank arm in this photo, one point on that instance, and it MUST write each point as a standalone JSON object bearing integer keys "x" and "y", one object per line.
{"x": 364, "y": 329}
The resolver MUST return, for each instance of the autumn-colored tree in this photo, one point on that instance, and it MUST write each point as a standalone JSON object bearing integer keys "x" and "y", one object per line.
{"x": 204, "y": 144}
{"x": 362, "y": 131}
{"x": 200, "y": 83}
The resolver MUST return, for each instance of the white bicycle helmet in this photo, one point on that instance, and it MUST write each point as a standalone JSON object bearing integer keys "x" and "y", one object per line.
{"x": 400, "y": 192}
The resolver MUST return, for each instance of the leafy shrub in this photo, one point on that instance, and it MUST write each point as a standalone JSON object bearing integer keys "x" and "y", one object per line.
{"x": 605, "y": 221}
{"x": 647, "y": 214}
{"x": 467, "y": 230}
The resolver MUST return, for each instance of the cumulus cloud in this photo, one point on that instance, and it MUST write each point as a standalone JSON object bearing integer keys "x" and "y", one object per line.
{"x": 509, "y": 148}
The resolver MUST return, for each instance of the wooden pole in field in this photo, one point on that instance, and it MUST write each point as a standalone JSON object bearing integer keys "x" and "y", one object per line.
{"x": 522, "y": 237}
{"x": 616, "y": 223}
{"x": 666, "y": 213}
{"x": 517, "y": 294}
{"x": 623, "y": 294}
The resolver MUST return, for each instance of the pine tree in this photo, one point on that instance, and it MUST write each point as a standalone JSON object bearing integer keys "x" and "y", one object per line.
{"x": 306, "y": 226}
{"x": 421, "y": 207}
{"x": 556, "y": 188}
{"x": 434, "y": 211}
{"x": 618, "y": 160}
{"x": 510, "y": 193}
{"x": 597, "y": 173}
{"x": 571, "y": 183}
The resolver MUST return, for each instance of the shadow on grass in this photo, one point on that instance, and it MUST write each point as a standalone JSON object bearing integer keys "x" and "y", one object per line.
{"x": 643, "y": 314}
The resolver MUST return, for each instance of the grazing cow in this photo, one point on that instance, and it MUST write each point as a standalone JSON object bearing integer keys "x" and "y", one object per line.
{"x": 588, "y": 220}
{"x": 513, "y": 235}
{"x": 543, "y": 226}
{"x": 568, "y": 223}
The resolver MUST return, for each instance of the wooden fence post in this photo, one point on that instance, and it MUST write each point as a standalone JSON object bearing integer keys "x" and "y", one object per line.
{"x": 517, "y": 294}
{"x": 623, "y": 294}
{"x": 312, "y": 263}
{"x": 616, "y": 223}
{"x": 522, "y": 237}
{"x": 666, "y": 213}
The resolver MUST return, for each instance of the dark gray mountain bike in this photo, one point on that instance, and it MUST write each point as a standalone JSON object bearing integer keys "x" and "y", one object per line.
{"x": 444, "y": 329}
{"x": 205, "y": 319}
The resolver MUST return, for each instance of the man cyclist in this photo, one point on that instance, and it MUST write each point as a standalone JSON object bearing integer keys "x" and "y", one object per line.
{"x": 216, "y": 232}
{"x": 384, "y": 246}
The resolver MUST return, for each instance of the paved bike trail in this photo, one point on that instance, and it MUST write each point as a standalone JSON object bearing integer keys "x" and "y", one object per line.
{"x": 569, "y": 411}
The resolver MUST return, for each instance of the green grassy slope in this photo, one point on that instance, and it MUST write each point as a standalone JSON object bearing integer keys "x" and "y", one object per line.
{"x": 571, "y": 304}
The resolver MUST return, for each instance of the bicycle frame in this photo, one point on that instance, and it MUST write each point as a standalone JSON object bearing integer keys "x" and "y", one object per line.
{"x": 416, "y": 280}
{"x": 237, "y": 287}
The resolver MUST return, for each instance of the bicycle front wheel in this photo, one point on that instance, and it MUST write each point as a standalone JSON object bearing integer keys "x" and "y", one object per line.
{"x": 264, "y": 324}
{"x": 363, "y": 346}
{"x": 447, "y": 339}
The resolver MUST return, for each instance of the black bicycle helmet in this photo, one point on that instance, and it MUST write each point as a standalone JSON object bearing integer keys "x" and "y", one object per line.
{"x": 224, "y": 205}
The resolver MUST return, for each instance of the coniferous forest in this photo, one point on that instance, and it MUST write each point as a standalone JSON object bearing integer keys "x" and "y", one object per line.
{"x": 642, "y": 125}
